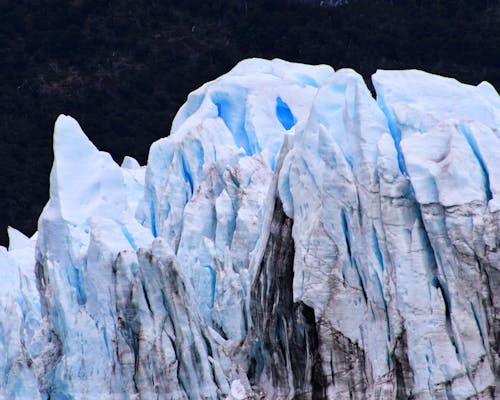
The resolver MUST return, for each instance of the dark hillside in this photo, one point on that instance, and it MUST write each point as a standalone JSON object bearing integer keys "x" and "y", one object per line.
{"x": 123, "y": 68}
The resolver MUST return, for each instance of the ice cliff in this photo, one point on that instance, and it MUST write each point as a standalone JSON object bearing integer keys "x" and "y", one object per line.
{"x": 293, "y": 237}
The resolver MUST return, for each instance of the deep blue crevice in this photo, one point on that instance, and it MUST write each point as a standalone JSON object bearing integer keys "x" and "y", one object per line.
{"x": 376, "y": 248}
{"x": 81, "y": 296}
{"x": 232, "y": 109}
{"x": 231, "y": 227}
{"x": 332, "y": 368}
{"x": 345, "y": 229}
{"x": 234, "y": 180}
{"x": 361, "y": 284}
{"x": 129, "y": 237}
{"x": 348, "y": 158}
{"x": 186, "y": 173}
{"x": 395, "y": 133}
{"x": 432, "y": 264}
{"x": 429, "y": 372}
{"x": 284, "y": 114}
{"x": 353, "y": 262}
{"x": 273, "y": 164}
{"x": 152, "y": 213}
{"x": 153, "y": 224}
{"x": 473, "y": 145}
{"x": 165, "y": 305}
{"x": 197, "y": 153}
{"x": 146, "y": 297}
{"x": 105, "y": 337}
{"x": 478, "y": 323}
{"x": 20, "y": 303}
{"x": 213, "y": 281}
{"x": 219, "y": 105}
{"x": 381, "y": 290}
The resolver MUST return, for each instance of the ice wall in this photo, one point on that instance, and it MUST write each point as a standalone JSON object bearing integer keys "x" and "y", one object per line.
{"x": 292, "y": 238}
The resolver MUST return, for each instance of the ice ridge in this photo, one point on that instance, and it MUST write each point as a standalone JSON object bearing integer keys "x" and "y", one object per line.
{"x": 293, "y": 237}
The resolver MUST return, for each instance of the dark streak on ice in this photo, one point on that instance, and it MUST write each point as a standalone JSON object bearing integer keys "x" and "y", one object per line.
{"x": 287, "y": 352}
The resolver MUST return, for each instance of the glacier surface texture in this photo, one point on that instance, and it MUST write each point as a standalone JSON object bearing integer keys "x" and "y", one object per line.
{"x": 293, "y": 238}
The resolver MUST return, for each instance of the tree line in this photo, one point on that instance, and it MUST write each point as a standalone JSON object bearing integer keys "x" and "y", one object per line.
{"x": 122, "y": 68}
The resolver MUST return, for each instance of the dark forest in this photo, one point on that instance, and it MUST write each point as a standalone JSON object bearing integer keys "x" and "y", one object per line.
{"x": 123, "y": 68}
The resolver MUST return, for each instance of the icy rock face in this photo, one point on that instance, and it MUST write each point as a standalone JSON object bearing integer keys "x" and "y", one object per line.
{"x": 397, "y": 252}
{"x": 292, "y": 238}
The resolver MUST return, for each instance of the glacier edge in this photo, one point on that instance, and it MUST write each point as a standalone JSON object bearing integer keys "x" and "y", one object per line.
{"x": 292, "y": 238}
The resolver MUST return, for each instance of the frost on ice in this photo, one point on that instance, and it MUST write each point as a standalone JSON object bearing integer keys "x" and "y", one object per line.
{"x": 292, "y": 238}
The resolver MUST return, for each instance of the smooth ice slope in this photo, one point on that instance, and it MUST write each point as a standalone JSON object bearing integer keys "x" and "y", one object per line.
{"x": 292, "y": 238}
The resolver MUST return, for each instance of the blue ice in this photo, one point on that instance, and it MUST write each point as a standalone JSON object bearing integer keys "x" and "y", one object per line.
{"x": 284, "y": 114}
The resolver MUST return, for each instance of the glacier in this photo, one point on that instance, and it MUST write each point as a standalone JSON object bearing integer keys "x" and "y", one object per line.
{"x": 293, "y": 237}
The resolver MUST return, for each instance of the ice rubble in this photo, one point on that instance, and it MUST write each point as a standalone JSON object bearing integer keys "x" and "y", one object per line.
{"x": 291, "y": 238}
